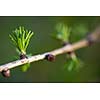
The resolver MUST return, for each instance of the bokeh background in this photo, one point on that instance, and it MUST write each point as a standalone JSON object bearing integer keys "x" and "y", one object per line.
{"x": 42, "y": 41}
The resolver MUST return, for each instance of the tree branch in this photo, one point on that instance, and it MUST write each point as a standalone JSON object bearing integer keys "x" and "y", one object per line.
{"x": 92, "y": 38}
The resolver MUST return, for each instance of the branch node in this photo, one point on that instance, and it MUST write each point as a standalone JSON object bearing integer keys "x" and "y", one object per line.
{"x": 6, "y": 72}
{"x": 69, "y": 44}
{"x": 65, "y": 43}
{"x": 90, "y": 40}
{"x": 23, "y": 56}
{"x": 50, "y": 57}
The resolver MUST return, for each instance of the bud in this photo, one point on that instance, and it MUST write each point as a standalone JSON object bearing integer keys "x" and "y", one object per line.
{"x": 90, "y": 39}
{"x": 65, "y": 43}
{"x": 50, "y": 57}
{"x": 6, "y": 72}
{"x": 23, "y": 56}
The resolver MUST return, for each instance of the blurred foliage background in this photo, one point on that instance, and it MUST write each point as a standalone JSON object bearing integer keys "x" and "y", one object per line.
{"x": 44, "y": 71}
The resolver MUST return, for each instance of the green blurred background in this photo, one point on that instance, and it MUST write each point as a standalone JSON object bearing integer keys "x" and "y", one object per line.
{"x": 44, "y": 71}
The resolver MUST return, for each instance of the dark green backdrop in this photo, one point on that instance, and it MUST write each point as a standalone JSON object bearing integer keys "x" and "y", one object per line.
{"x": 44, "y": 71}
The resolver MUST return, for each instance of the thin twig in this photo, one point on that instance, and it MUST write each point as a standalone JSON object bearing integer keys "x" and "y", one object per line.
{"x": 95, "y": 36}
